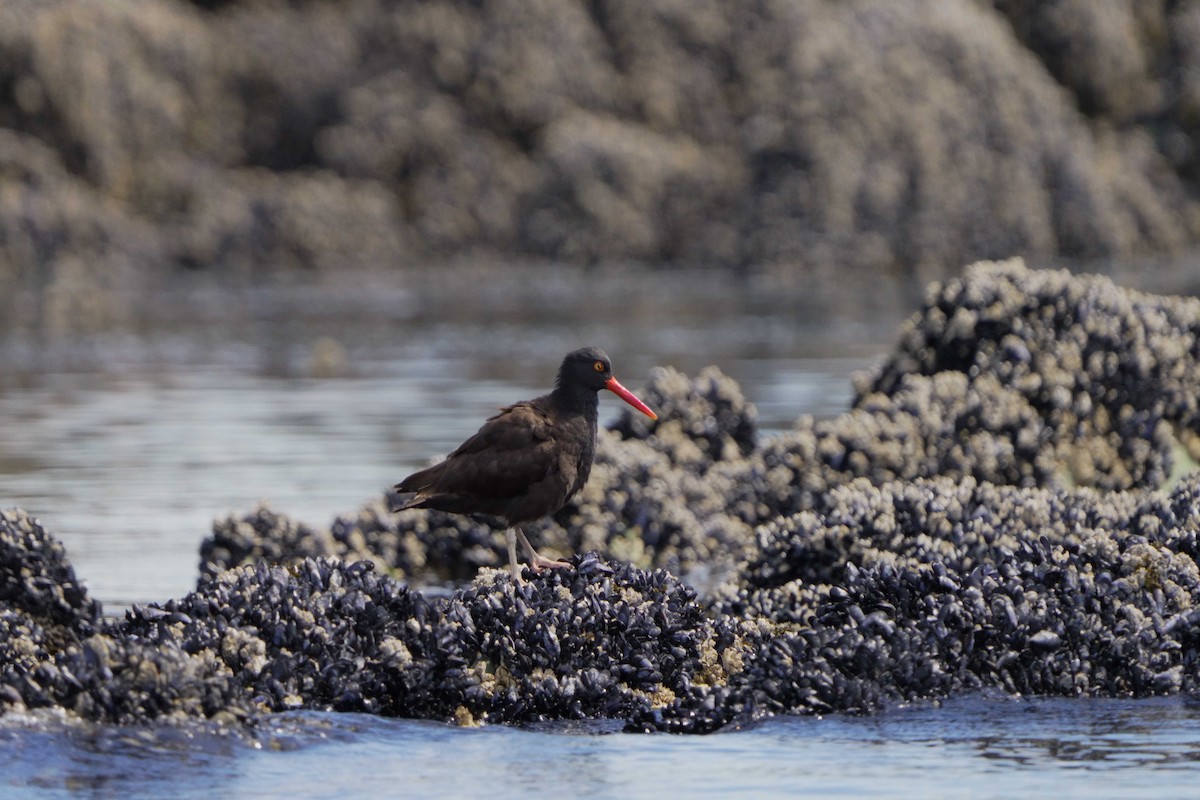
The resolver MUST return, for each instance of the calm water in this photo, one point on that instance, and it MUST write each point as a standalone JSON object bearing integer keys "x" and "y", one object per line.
{"x": 129, "y": 442}
{"x": 969, "y": 748}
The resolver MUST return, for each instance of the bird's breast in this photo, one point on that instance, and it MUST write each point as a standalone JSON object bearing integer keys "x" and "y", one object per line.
{"x": 575, "y": 458}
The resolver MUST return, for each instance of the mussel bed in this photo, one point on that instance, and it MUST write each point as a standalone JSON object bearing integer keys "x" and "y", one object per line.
{"x": 1002, "y": 508}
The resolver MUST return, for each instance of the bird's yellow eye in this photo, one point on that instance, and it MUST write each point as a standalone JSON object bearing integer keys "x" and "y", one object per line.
{"x": 598, "y": 366}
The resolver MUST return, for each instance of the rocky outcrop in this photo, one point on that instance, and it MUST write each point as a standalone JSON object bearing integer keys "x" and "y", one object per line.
{"x": 803, "y": 138}
{"x": 932, "y": 540}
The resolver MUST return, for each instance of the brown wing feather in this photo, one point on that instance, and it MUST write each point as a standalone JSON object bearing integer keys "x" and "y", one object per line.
{"x": 509, "y": 468}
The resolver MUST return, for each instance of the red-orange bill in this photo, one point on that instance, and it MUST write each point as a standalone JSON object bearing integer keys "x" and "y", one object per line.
{"x": 614, "y": 386}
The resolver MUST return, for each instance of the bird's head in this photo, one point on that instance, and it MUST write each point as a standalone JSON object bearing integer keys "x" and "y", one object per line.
{"x": 590, "y": 367}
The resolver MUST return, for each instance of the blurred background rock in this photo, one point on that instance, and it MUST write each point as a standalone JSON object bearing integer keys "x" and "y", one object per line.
{"x": 802, "y": 139}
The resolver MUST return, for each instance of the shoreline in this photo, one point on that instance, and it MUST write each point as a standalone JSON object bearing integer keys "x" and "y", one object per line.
{"x": 933, "y": 540}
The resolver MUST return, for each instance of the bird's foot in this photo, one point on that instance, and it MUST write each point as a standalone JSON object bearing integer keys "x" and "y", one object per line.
{"x": 538, "y": 562}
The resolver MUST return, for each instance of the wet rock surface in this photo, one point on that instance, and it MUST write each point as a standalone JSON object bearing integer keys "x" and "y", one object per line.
{"x": 934, "y": 539}
{"x": 932, "y": 587}
{"x": 1110, "y": 372}
{"x": 39, "y": 581}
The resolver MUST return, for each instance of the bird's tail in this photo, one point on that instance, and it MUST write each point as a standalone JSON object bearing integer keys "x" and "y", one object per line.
{"x": 413, "y": 490}
{"x": 399, "y": 499}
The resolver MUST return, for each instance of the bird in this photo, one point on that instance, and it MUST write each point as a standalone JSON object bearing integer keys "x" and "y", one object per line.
{"x": 525, "y": 462}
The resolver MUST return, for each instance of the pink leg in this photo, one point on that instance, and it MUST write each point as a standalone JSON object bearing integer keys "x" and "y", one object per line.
{"x": 511, "y": 539}
{"x": 536, "y": 560}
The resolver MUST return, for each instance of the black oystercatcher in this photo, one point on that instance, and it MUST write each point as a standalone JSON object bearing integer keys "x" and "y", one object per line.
{"x": 526, "y": 462}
